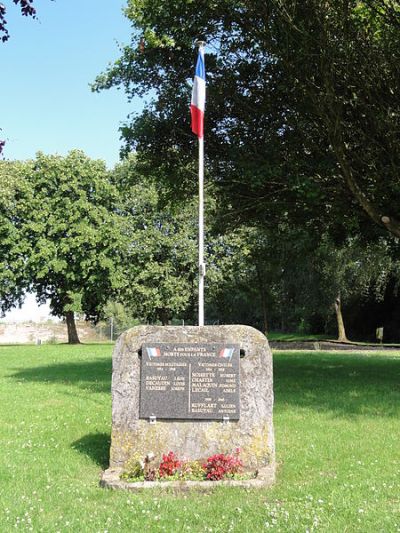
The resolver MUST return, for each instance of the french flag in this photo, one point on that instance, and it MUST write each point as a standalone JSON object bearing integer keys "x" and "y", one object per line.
{"x": 153, "y": 352}
{"x": 226, "y": 353}
{"x": 198, "y": 102}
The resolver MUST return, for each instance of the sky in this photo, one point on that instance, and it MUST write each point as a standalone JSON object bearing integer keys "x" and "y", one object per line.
{"x": 46, "y": 68}
{"x": 45, "y": 100}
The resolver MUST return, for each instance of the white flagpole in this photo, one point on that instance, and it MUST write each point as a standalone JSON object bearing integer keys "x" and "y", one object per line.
{"x": 202, "y": 266}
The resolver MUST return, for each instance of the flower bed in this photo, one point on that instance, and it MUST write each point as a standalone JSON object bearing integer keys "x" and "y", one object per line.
{"x": 217, "y": 467}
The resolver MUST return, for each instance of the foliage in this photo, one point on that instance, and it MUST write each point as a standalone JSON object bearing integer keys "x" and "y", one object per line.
{"x": 221, "y": 466}
{"x": 191, "y": 471}
{"x": 171, "y": 468}
{"x": 66, "y": 217}
{"x": 134, "y": 469}
{"x": 120, "y": 315}
{"x": 286, "y": 278}
{"x": 27, "y": 9}
{"x": 289, "y": 279}
{"x": 13, "y": 249}
{"x": 301, "y": 146}
{"x": 357, "y": 268}
{"x": 266, "y": 279}
{"x": 249, "y": 268}
{"x": 302, "y": 114}
{"x": 217, "y": 467}
{"x": 161, "y": 257}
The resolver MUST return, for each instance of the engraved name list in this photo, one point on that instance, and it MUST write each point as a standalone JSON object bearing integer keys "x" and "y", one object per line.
{"x": 190, "y": 381}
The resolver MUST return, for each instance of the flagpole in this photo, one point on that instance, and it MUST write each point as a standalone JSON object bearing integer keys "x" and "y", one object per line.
{"x": 202, "y": 266}
{"x": 202, "y": 269}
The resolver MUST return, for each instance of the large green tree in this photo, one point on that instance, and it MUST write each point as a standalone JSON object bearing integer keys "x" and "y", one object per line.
{"x": 66, "y": 216}
{"x": 303, "y": 113}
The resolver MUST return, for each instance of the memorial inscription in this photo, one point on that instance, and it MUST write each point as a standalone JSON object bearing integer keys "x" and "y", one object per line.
{"x": 190, "y": 381}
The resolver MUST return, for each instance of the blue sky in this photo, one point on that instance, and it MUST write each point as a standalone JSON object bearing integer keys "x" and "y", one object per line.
{"x": 45, "y": 100}
{"x": 46, "y": 68}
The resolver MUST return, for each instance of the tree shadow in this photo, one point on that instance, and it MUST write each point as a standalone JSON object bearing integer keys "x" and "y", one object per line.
{"x": 96, "y": 446}
{"x": 344, "y": 384}
{"x": 92, "y": 376}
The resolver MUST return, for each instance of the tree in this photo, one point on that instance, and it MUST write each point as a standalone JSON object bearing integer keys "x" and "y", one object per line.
{"x": 355, "y": 270}
{"x": 13, "y": 249}
{"x": 245, "y": 269}
{"x": 302, "y": 115}
{"x": 161, "y": 260}
{"x": 343, "y": 55}
{"x": 119, "y": 318}
{"x": 66, "y": 217}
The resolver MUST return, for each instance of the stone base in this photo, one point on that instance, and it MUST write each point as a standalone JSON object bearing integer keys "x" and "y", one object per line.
{"x": 110, "y": 479}
{"x": 253, "y": 433}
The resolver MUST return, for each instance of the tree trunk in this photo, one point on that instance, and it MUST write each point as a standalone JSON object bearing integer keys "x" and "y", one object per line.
{"x": 164, "y": 317}
{"x": 71, "y": 328}
{"x": 263, "y": 300}
{"x": 264, "y": 309}
{"x": 339, "y": 317}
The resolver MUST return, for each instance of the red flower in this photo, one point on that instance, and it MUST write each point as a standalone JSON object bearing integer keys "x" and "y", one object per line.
{"x": 169, "y": 465}
{"x": 220, "y": 466}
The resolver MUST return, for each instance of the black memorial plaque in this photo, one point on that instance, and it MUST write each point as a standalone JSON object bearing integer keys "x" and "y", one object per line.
{"x": 190, "y": 381}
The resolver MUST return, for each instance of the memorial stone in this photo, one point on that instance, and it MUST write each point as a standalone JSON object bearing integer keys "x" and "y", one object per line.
{"x": 194, "y": 390}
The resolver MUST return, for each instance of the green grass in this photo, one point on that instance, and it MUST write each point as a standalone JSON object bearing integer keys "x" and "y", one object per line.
{"x": 338, "y": 446}
{"x": 304, "y": 337}
{"x": 290, "y": 337}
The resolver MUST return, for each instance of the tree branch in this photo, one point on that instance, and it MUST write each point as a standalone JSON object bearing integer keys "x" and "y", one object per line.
{"x": 390, "y": 223}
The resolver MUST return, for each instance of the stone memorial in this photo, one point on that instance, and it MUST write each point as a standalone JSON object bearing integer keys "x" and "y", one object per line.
{"x": 195, "y": 390}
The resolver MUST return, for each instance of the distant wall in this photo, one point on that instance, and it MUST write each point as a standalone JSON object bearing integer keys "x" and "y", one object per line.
{"x": 31, "y": 332}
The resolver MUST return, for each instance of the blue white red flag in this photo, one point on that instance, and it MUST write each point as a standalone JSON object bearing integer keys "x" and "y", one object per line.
{"x": 153, "y": 352}
{"x": 226, "y": 352}
{"x": 198, "y": 102}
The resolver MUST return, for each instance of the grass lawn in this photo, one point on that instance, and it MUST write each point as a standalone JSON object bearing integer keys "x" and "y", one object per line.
{"x": 294, "y": 337}
{"x": 300, "y": 337}
{"x": 338, "y": 444}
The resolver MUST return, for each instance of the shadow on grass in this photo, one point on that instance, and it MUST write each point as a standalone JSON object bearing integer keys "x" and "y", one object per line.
{"x": 92, "y": 376}
{"x": 346, "y": 385}
{"x": 96, "y": 446}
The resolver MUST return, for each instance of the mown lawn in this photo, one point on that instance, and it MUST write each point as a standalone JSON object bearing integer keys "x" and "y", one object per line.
{"x": 338, "y": 444}
{"x": 294, "y": 337}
